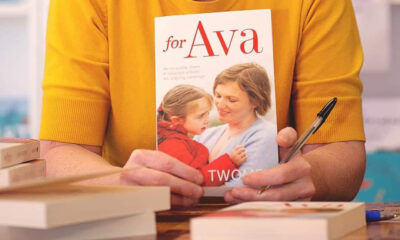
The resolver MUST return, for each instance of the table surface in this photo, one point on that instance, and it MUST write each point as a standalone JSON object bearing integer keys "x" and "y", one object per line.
{"x": 174, "y": 224}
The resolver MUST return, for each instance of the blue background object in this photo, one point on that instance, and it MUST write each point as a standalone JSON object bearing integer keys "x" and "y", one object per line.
{"x": 382, "y": 178}
{"x": 14, "y": 118}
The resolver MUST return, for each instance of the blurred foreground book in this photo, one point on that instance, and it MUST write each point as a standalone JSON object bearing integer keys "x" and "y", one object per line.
{"x": 59, "y": 209}
{"x": 280, "y": 220}
{"x": 19, "y": 161}
{"x": 17, "y": 150}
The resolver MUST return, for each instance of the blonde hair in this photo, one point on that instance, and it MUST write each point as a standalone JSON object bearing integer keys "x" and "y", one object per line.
{"x": 177, "y": 101}
{"x": 251, "y": 78}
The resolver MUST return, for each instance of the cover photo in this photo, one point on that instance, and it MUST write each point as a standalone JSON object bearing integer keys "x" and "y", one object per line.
{"x": 215, "y": 94}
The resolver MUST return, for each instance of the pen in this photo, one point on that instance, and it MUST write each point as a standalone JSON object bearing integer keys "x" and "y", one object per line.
{"x": 316, "y": 124}
{"x": 373, "y": 216}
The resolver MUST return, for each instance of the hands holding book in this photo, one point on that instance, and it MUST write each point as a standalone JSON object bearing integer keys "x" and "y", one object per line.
{"x": 290, "y": 181}
{"x": 160, "y": 169}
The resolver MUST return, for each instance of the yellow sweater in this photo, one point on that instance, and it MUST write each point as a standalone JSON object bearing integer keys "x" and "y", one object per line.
{"x": 99, "y": 72}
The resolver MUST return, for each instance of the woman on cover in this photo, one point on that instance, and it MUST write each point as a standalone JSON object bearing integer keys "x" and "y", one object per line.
{"x": 185, "y": 110}
{"x": 242, "y": 94}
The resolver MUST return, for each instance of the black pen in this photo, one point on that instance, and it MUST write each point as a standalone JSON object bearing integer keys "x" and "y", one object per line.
{"x": 316, "y": 124}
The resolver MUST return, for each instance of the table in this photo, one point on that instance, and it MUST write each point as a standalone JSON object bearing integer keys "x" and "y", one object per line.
{"x": 174, "y": 224}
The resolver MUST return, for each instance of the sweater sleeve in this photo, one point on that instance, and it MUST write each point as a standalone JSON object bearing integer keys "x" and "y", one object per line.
{"x": 328, "y": 64}
{"x": 76, "y": 98}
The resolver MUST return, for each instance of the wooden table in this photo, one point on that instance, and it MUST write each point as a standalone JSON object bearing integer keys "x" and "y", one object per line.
{"x": 174, "y": 224}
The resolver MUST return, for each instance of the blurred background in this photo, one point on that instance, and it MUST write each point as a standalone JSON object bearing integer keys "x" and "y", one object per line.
{"x": 22, "y": 42}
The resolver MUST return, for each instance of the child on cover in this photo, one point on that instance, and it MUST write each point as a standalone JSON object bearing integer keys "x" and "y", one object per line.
{"x": 185, "y": 110}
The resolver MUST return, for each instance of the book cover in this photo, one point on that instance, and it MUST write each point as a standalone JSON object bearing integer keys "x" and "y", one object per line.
{"x": 280, "y": 220}
{"x": 18, "y": 150}
{"x": 22, "y": 172}
{"x": 68, "y": 204}
{"x": 215, "y": 94}
{"x": 138, "y": 226}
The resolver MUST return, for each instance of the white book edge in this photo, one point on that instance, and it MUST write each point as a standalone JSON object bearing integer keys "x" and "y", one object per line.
{"x": 22, "y": 172}
{"x": 61, "y": 210}
{"x": 138, "y": 225}
{"x": 23, "y": 152}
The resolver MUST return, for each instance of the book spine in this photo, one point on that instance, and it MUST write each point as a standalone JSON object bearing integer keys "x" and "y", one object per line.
{"x": 22, "y": 172}
{"x": 18, "y": 154}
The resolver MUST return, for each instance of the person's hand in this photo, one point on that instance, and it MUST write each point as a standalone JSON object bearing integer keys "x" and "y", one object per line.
{"x": 159, "y": 169}
{"x": 238, "y": 155}
{"x": 291, "y": 181}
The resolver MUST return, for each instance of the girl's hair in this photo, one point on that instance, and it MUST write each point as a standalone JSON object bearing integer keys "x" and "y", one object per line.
{"x": 253, "y": 79}
{"x": 179, "y": 100}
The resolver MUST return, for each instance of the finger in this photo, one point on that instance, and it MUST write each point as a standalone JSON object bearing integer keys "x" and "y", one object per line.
{"x": 228, "y": 197}
{"x": 287, "y": 192}
{"x": 239, "y": 149}
{"x": 177, "y": 200}
{"x": 281, "y": 174}
{"x": 286, "y": 137}
{"x": 297, "y": 191}
{"x": 151, "y": 177}
{"x": 242, "y": 194}
{"x": 304, "y": 199}
{"x": 163, "y": 162}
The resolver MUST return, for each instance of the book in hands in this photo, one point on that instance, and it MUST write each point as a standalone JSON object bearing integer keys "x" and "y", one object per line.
{"x": 280, "y": 220}
{"x": 191, "y": 52}
{"x": 17, "y": 150}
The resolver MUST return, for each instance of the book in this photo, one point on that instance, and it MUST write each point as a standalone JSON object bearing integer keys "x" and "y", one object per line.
{"x": 280, "y": 220}
{"x": 18, "y": 150}
{"x": 141, "y": 226}
{"x": 211, "y": 74}
{"x": 22, "y": 172}
{"x": 55, "y": 202}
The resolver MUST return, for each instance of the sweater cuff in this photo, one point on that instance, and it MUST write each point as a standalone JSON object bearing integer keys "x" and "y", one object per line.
{"x": 343, "y": 124}
{"x": 74, "y": 120}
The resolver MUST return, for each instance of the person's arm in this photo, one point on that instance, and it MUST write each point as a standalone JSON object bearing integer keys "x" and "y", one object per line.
{"x": 337, "y": 169}
{"x": 154, "y": 169}
{"x": 63, "y": 159}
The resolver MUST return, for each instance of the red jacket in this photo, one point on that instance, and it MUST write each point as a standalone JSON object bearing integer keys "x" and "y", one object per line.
{"x": 175, "y": 142}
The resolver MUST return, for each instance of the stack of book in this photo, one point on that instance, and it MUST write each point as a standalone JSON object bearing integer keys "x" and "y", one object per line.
{"x": 70, "y": 211}
{"x": 19, "y": 161}
{"x": 58, "y": 208}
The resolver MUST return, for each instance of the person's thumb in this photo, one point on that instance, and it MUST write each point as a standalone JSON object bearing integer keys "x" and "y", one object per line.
{"x": 285, "y": 140}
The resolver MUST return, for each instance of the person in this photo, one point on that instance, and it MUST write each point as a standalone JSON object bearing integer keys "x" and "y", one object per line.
{"x": 98, "y": 97}
{"x": 185, "y": 110}
{"x": 242, "y": 95}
